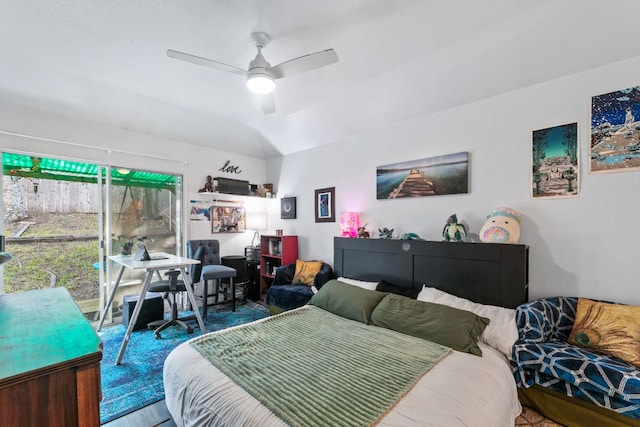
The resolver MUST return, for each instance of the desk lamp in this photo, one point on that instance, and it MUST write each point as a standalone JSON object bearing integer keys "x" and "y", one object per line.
{"x": 256, "y": 221}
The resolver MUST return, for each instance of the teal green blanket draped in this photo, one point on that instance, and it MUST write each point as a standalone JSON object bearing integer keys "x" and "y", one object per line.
{"x": 311, "y": 367}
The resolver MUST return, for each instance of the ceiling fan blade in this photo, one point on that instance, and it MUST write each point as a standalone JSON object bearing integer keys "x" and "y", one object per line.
{"x": 205, "y": 62}
{"x": 304, "y": 63}
{"x": 268, "y": 103}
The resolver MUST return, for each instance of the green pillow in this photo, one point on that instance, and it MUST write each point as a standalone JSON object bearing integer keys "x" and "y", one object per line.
{"x": 348, "y": 301}
{"x": 442, "y": 324}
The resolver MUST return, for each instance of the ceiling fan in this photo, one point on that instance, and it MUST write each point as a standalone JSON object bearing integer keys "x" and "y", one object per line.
{"x": 261, "y": 76}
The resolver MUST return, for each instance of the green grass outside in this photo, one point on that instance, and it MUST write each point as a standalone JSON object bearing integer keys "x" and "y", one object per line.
{"x": 71, "y": 262}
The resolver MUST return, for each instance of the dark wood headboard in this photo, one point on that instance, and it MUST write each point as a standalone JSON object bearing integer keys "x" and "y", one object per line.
{"x": 486, "y": 273}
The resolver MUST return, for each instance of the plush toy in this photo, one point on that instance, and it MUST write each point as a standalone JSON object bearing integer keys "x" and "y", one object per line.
{"x": 410, "y": 236}
{"x": 363, "y": 233}
{"x": 502, "y": 226}
{"x": 453, "y": 232}
{"x": 385, "y": 233}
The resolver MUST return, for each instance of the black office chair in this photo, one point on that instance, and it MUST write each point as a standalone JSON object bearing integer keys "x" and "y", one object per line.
{"x": 170, "y": 287}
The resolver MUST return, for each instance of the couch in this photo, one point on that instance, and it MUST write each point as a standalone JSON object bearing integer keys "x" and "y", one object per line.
{"x": 543, "y": 361}
{"x": 284, "y": 296}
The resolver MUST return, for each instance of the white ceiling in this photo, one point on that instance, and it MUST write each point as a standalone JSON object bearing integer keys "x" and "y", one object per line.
{"x": 105, "y": 61}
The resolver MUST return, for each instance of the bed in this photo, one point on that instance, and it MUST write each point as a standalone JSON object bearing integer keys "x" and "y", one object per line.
{"x": 453, "y": 387}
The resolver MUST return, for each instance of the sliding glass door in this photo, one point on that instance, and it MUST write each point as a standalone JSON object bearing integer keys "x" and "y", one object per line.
{"x": 140, "y": 205}
{"x": 64, "y": 218}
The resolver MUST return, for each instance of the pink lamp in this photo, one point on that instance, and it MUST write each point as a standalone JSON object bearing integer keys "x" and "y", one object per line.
{"x": 349, "y": 224}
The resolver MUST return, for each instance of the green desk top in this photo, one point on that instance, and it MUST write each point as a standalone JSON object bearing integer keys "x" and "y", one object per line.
{"x": 41, "y": 330}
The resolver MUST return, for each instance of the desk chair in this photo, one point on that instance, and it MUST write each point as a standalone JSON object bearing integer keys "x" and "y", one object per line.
{"x": 210, "y": 269}
{"x": 170, "y": 287}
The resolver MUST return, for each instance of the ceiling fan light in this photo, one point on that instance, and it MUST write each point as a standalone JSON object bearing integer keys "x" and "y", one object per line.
{"x": 261, "y": 83}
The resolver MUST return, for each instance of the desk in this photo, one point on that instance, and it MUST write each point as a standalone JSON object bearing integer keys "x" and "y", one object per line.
{"x": 151, "y": 267}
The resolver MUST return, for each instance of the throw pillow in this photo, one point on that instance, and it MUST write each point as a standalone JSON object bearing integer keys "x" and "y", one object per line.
{"x": 611, "y": 329}
{"x": 359, "y": 283}
{"x": 502, "y": 332}
{"x": 385, "y": 286}
{"x": 351, "y": 302}
{"x": 448, "y": 326}
{"x": 305, "y": 272}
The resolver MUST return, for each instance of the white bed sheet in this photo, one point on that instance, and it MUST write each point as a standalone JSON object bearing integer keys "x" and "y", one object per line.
{"x": 461, "y": 390}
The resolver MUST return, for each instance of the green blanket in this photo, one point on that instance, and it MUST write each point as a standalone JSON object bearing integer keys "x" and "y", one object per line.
{"x": 311, "y": 367}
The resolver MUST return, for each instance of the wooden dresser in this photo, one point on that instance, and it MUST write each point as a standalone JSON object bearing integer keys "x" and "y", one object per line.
{"x": 49, "y": 361}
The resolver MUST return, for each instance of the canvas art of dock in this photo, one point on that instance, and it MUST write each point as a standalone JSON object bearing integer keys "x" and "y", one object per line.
{"x": 414, "y": 185}
{"x": 432, "y": 176}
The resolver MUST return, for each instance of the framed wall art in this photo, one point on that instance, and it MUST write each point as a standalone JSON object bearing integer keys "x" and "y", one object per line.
{"x": 432, "y": 176}
{"x": 200, "y": 211}
{"x": 288, "y": 208}
{"x": 227, "y": 218}
{"x": 615, "y": 131}
{"x": 325, "y": 205}
{"x": 554, "y": 154}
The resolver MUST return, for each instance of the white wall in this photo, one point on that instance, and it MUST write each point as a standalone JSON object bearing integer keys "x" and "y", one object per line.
{"x": 92, "y": 142}
{"x": 584, "y": 246}
{"x": 580, "y": 246}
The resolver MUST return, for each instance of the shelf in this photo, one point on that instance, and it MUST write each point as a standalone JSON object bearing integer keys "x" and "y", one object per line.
{"x": 219, "y": 196}
{"x": 216, "y": 195}
{"x": 287, "y": 249}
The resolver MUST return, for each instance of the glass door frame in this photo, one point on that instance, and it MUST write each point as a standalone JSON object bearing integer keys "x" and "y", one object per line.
{"x": 104, "y": 244}
{"x": 2, "y": 236}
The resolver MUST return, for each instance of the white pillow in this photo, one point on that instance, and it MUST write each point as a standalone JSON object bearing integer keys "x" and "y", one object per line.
{"x": 502, "y": 332}
{"x": 359, "y": 283}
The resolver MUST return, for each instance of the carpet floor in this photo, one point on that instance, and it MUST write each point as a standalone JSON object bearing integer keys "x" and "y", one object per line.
{"x": 530, "y": 418}
{"x": 137, "y": 381}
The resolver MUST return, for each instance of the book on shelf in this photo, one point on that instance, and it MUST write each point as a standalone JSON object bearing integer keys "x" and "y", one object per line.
{"x": 275, "y": 247}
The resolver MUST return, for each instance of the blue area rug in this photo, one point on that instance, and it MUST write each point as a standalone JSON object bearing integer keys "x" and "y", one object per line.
{"x": 137, "y": 381}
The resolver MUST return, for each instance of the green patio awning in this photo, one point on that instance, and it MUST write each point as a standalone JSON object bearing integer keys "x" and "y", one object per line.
{"x": 65, "y": 170}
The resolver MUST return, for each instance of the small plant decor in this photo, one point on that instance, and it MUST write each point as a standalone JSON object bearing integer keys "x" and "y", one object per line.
{"x": 127, "y": 247}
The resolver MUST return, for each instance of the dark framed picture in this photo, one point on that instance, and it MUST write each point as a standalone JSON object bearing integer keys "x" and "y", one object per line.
{"x": 288, "y": 208}
{"x": 325, "y": 205}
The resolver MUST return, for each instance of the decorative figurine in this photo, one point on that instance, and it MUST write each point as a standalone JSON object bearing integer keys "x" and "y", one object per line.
{"x": 363, "y": 233}
{"x": 502, "y": 226}
{"x": 410, "y": 236}
{"x": 385, "y": 233}
{"x": 453, "y": 232}
{"x": 208, "y": 186}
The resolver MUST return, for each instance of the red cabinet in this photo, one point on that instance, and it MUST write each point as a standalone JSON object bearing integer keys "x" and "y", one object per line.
{"x": 274, "y": 252}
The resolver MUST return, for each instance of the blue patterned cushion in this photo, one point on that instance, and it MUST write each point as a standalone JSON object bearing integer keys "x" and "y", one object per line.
{"x": 546, "y": 319}
{"x": 542, "y": 356}
{"x": 288, "y": 297}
